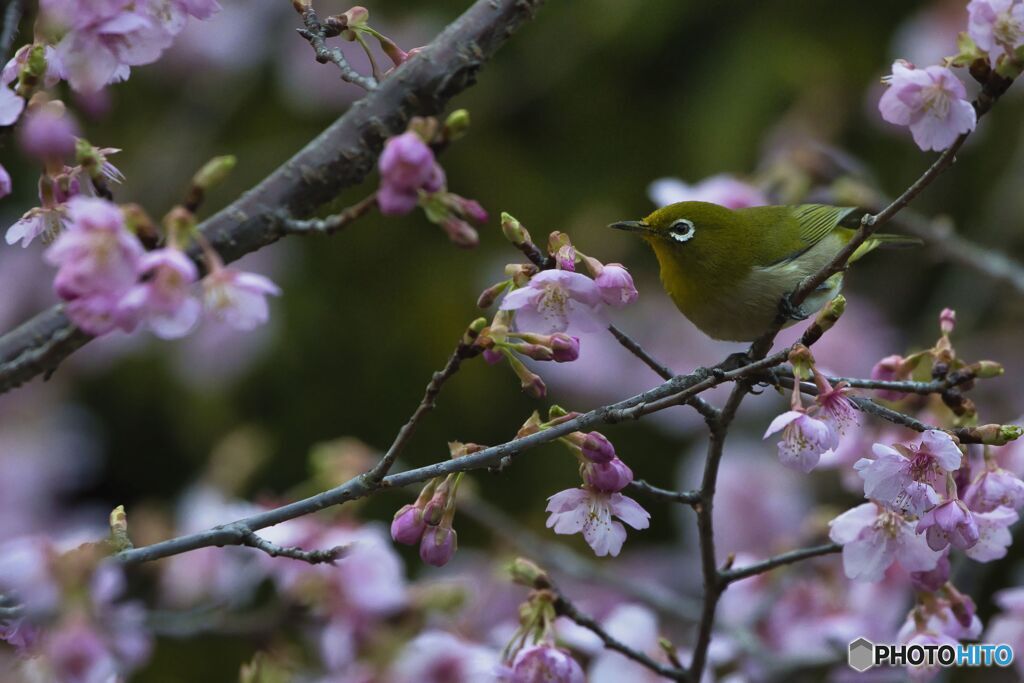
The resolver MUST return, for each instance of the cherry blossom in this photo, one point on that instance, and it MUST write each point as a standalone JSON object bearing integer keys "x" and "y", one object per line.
{"x": 996, "y": 26}
{"x": 949, "y": 523}
{"x": 556, "y": 301}
{"x": 721, "y": 189}
{"x": 545, "y": 664}
{"x": 931, "y": 101}
{"x": 164, "y": 301}
{"x": 907, "y": 479}
{"x": 238, "y": 298}
{"x": 804, "y": 439}
{"x": 590, "y": 511}
{"x": 874, "y": 538}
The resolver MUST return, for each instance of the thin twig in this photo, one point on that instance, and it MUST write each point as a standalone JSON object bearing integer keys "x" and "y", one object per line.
{"x": 685, "y": 497}
{"x": 329, "y": 556}
{"x": 565, "y": 607}
{"x": 334, "y": 223}
{"x": 708, "y": 411}
{"x": 315, "y": 34}
{"x": 427, "y": 403}
{"x": 730, "y": 575}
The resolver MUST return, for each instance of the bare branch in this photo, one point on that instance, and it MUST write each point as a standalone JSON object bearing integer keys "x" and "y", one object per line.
{"x": 730, "y": 575}
{"x": 691, "y": 498}
{"x": 331, "y": 224}
{"x": 339, "y": 157}
{"x": 251, "y": 539}
{"x": 317, "y": 37}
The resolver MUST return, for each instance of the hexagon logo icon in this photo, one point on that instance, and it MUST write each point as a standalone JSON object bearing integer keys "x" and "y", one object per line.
{"x": 862, "y": 655}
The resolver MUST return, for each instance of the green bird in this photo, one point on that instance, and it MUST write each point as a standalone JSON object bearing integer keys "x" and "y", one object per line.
{"x": 728, "y": 270}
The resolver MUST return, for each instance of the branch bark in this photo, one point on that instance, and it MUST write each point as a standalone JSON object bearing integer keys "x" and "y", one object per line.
{"x": 338, "y": 158}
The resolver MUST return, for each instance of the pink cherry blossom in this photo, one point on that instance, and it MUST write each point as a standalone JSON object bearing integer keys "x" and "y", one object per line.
{"x": 996, "y": 26}
{"x": 993, "y": 534}
{"x": 836, "y": 409}
{"x": 164, "y": 301}
{"x": 721, "y": 189}
{"x": 556, "y": 301}
{"x": 907, "y": 480}
{"x": 97, "y": 253}
{"x": 804, "y": 439}
{"x": 616, "y": 285}
{"x": 11, "y": 106}
{"x": 77, "y": 653}
{"x": 545, "y": 664}
{"x": 238, "y": 298}
{"x": 874, "y": 538}
{"x": 590, "y": 511}
{"x": 949, "y": 523}
{"x": 931, "y": 101}
{"x": 406, "y": 165}
{"x": 995, "y": 487}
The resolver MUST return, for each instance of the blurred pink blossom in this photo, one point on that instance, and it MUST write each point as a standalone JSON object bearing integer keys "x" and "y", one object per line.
{"x": 931, "y": 101}
{"x": 873, "y": 538}
{"x": 721, "y": 189}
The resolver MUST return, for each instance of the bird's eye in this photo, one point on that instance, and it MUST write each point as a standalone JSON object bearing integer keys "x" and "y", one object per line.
{"x": 681, "y": 230}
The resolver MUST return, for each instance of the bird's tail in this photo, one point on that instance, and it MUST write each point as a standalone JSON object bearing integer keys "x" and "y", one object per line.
{"x": 885, "y": 240}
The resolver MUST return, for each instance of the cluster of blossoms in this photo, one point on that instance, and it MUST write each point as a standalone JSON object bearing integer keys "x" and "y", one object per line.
{"x": 410, "y": 176}
{"x": 110, "y": 281}
{"x": 933, "y": 101}
{"x": 428, "y": 522}
{"x": 72, "y": 621}
{"x": 589, "y": 509}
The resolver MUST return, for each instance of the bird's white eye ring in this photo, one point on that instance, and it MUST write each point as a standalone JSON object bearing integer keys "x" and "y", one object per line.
{"x": 681, "y": 230}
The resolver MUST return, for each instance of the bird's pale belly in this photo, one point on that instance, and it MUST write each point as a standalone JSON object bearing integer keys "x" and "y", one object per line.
{"x": 744, "y": 313}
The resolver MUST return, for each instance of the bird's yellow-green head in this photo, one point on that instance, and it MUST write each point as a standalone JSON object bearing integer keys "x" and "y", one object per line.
{"x": 698, "y": 241}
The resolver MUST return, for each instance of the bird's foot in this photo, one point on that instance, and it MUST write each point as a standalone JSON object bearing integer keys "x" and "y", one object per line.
{"x": 733, "y": 362}
{"x": 791, "y": 311}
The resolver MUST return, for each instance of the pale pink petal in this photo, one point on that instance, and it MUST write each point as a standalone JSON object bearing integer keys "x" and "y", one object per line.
{"x": 629, "y": 511}
{"x": 848, "y": 526}
{"x": 781, "y": 421}
{"x": 867, "y": 557}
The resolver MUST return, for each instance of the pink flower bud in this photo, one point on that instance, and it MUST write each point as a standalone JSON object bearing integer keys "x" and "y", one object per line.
{"x": 947, "y": 320}
{"x": 438, "y": 545}
{"x": 616, "y": 285}
{"x": 610, "y": 477}
{"x": 406, "y": 162}
{"x": 460, "y": 232}
{"x": 408, "y": 525}
{"x": 566, "y": 257}
{"x": 889, "y": 369}
{"x": 493, "y": 356}
{"x": 597, "y": 448}
{"x": 949, "y": 523}
{"x": 566, "y": 348}
{"x": 394, "y": 201}
{"x": 48, "y": 132}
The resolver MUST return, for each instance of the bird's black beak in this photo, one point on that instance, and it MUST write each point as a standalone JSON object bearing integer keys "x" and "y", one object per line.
{"x": 631, "y": 226}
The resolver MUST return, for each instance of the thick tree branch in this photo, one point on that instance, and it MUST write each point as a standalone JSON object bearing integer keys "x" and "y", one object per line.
{"x": 338, "y": 158}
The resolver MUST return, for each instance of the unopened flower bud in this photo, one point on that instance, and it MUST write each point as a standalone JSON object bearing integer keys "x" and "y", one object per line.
{"x": 534, "y": 351}
{"x": 932, "y": 580}
{"x": 438, "y": 545}
{"x": 564, "y": 347}
{"x": 119, "y": 529}
{"x": 557, "y": 240}
{"x": 408, "y": 525}
{"x": 997, "y": 435}
{"x": 987, "y": 369}
{"x": 597, "y": 448}
{"x": 493, "y": 356}
{"x": 528, "y": 574}
{"x": 457, "y": 124}
{"x": 214, "y": 172}
{"x": 947, "y": 320}
{"x": 566, "y": 257}
{"x": 610, "y": 477}
{"x": 460, "y": 232}
{"x": 831, "y": 313}
{"x": 471, "y": 210}
{"x": 491, "y": 294}
{"x": 513, "y": 230}
{"x": 530, "y": 382}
